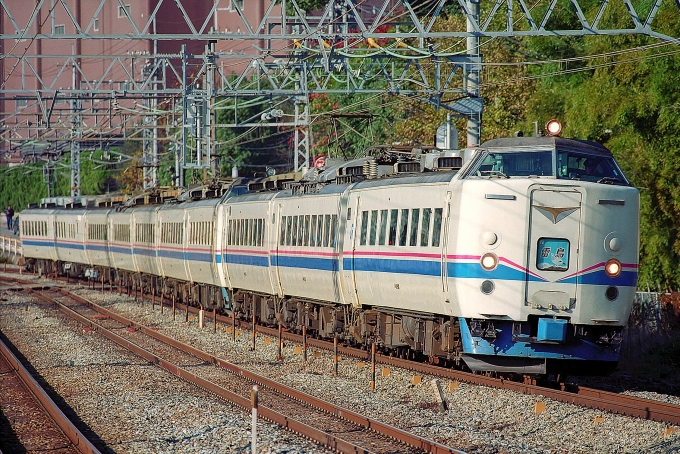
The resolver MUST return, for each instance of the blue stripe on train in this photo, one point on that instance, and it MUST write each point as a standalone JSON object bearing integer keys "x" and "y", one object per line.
{"x": 311, "y": 263}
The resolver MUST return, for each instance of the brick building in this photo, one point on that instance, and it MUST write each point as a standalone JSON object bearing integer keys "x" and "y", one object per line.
{"x": 102, "y": 65}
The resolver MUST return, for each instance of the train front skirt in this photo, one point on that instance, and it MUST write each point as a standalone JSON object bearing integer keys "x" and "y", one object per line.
{"x": 501, "y": 346}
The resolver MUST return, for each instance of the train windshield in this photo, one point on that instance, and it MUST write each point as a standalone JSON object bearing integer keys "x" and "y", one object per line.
{"x": 588, "y": 167}
{"x": 539, "y": 163}
{"x": 507, "y": 164}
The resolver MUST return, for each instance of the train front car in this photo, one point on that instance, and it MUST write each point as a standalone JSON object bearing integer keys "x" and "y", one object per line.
{"x": 546, "y": 259}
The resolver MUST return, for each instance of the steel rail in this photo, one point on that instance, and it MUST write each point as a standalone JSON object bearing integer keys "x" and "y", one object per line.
{"x": 272, "y": 415}
{"x": 70, "y": 431}
{"x": 586, "y": 397}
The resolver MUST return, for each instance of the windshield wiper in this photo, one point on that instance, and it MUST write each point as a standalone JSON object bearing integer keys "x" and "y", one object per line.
{"x": 493, "y": 173}
{"x": 608, "y": 180}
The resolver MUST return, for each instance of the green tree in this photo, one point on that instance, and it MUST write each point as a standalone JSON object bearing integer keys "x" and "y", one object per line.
{"x": 630, "y": 101}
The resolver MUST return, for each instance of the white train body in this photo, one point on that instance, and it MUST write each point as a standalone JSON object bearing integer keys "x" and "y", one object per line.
{"x": 523, "y": 259}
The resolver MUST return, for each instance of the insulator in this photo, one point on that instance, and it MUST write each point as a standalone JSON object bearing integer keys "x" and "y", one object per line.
{"x": 373, "y": 169}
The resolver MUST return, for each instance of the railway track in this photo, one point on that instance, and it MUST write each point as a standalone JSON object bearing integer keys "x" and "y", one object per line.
{"x": 327, "y": 424}
{"x": 32, "y": 422}
{"x": 578, "y": 395}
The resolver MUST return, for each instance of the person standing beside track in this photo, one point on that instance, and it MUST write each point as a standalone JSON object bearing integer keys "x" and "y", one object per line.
{"x": 9, "y": 212}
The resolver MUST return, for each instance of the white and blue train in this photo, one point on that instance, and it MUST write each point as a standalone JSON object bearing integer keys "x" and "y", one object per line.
{"x": 524, "y": 259}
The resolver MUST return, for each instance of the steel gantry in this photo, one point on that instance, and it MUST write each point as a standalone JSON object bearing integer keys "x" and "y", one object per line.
{"x": 285, "y": 53}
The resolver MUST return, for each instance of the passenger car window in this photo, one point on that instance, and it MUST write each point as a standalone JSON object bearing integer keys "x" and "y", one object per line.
{"x": 364, "y": 227}
{"x": 374, "y": 227}
{"x": 425, "y": 228}
{"x": 393, "y": 227}
{"x": 383, "y": 227}
{"x": 403, "y": 227}
{"x": 415, "y": 221}
{"x": 437, "y": 227}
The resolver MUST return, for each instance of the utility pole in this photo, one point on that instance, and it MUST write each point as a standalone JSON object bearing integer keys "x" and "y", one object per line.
{"x": 76, "y": 134}
{"x": 302, "y": 131}
{"x": 474, "y": 122}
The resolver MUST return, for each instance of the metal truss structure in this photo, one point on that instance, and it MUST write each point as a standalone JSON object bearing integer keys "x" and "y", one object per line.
{"x": 350, "y": 46}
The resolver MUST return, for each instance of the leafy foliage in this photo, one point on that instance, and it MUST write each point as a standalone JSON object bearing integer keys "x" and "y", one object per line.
{"x": 24, "y": 184}
{"x": 630, "y": 102}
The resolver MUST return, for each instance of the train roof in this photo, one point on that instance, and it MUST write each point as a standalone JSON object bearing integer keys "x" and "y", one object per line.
{"x": 556, "y": 143}
{"x": 425, "y": 178}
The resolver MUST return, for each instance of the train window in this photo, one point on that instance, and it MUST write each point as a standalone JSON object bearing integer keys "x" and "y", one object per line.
{"x": 425, "y": 227}
{"x": 262, "y": 227}
{"x": 313, "y": 232}
{"x": 349, "y": 213}
{"x": 144, "y": 233}
{"x": 364, "y": 227}
{"x": 383, "y": 227}
{"x": 374, "y": 227}
{"x": 255, "y": 237}
{"x": 301, "y": 230}
{"x": 239, "y": 232}
{"x": 256, "y": 232}
{"x": 327, "y": 230}
{"x": 282, "y": 231}
{"x": 553, "y": 254}
{"x": 167, "y": 233}
{"x": 306, "y": 232}
{"x": 96, "y": 232}
{"x": 393, "y": 227}
{"x": 597, "y": 168}
{"x": 295, "y": 231}
{"x": 334, "y": 226}
{"x": 415, "y": 222}
{"x": 319, "y": 231}
{"x": 515, "y": 164}
{"x": 437, "y": 227}
{"x": 289, "y": 231}
{"x": 403, "y": 227}
{"x": 121, "y": 232}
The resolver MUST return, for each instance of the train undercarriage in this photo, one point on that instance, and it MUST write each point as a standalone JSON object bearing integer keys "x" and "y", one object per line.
{"x": 399, "y": 333}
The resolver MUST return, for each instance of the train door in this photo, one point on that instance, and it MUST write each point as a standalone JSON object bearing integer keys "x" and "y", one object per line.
{"x": 276, "y": 233}
{"x": 445, "y": 241}
{"x": 554, "y": 234}
{"x": 349, "y": 283}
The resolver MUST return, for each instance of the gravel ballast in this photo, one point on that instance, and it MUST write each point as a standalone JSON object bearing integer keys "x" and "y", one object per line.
{"x": 88, "y": 372}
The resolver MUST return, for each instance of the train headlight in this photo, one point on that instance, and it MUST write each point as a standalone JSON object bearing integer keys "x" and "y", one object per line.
{"x": 612, "y": 268}
{"x": 489, "y": 261}
{"x": 553, "y": 128}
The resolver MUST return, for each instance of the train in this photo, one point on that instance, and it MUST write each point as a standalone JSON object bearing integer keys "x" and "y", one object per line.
{"x": 518, "y": 256}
